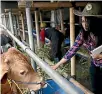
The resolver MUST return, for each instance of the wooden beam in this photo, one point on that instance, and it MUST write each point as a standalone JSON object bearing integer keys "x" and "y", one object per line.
{"x": 51, "y": 5}
{"x": 47, "y": 6}
{"x": 55, "y": 4}
{"x": 81, "y": 4}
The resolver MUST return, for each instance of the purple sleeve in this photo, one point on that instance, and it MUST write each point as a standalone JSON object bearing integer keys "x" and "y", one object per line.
{"x": 78, "y": 42}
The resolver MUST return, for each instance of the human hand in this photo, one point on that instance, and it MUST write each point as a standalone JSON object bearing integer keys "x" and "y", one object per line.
{"x": 97, "y": 56}
{"x": 54, "y": 67}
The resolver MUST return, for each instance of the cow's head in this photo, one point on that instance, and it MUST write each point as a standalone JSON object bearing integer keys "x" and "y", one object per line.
{"x": 16, "y": 66}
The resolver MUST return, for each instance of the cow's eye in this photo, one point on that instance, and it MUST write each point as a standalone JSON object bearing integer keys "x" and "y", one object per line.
{"x": 22, "y": 72}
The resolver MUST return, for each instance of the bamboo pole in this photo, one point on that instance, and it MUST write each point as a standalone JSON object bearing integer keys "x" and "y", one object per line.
{"x": 22, "y": 21}
{"x": 37, "y": 28}
{"x": 72, "y": 39}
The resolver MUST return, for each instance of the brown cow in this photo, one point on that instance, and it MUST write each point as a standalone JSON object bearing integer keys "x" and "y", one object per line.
{"x": 16, "y": 66}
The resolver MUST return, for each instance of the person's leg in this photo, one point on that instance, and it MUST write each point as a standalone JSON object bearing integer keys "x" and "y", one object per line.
{"x": 93, "y": 77}
{"x": 54, "y": 51}
{"x": 99, "y": 82}
{"x": 59, "y": 51}
{"x": 96, "y": 79}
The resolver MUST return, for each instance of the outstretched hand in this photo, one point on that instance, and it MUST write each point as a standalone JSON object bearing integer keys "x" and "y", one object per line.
{"x": 54, "y": 67}
{"x": 97, "y": 56}
{"x": 63, "y": 60}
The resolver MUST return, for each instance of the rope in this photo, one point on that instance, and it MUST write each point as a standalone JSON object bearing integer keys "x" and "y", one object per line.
{"x": 17, "y": 86}
{"x": 9, "y": 81}
{"x": 20, "y": 82}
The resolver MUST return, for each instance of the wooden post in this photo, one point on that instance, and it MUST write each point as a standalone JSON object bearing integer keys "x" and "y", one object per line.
{"x": 22, "y": 20}
{"x": 40, "y": 17}
{"x": 62, "y": 24}
{"x": 72, "y": 39}
{"x": 37, "y": 28}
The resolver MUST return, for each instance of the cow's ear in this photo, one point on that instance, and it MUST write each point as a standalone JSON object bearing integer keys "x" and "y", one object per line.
{"x": 4, "y": 77}
{"x": 4, "y": 71}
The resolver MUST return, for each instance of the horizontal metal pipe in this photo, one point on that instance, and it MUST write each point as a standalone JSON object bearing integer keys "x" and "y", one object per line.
{"x": 62, "y": 82}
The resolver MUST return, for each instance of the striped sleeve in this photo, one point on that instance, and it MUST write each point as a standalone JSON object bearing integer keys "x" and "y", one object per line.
{"x": 78, "y": 42}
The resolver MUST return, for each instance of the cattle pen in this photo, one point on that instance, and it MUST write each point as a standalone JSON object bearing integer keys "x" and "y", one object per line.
{"x": 10, "y": 17}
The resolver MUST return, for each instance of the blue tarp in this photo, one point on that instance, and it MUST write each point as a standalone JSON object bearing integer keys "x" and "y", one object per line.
{"x": 53, "y": 88}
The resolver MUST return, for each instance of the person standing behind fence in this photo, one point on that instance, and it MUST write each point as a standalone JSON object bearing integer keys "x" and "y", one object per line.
{"x": 56, "y": 38}
{"x": 6, "y": 41}
{"x": 90, "y": 37}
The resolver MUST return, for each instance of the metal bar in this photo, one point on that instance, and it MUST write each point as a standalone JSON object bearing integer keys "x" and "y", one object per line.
{"x": 31, "y": 42}
{"x": 22, "y": 21}
{"x": 18, "y": 26}
{"x": 5, "y": 20}
{"x": 52, "y": 18}
{"x": 37, "y": 28}
{"x": 11, "y": 26}
{"x": 15, "y": 24}
{"x": 62, "y": 82}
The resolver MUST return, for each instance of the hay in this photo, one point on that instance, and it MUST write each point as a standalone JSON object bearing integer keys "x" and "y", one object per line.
{"x": 82, "y": 66}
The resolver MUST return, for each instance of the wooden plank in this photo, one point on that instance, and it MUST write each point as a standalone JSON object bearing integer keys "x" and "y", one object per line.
{"x": 51, "y": 5}
{"x": 47, "y": 6}
{"x": 55, "y": 4}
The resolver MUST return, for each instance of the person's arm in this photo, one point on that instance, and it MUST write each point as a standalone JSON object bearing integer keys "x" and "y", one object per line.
{"x": 71, "y": 52}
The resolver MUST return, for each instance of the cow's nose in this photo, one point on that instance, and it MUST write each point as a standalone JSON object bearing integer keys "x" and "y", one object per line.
{"x": 43, "y": 85}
